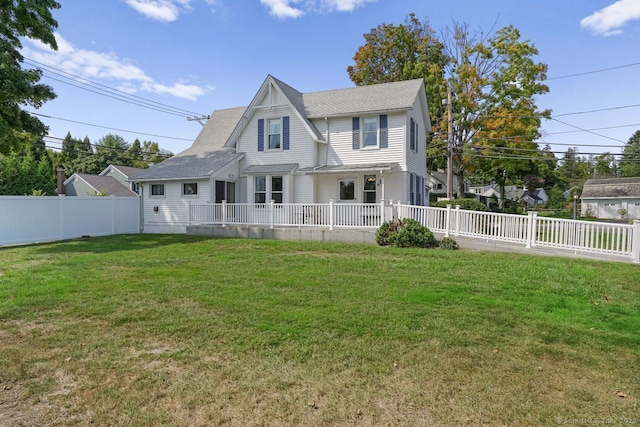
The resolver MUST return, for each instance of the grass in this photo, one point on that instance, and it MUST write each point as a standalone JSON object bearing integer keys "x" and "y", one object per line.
{"x": 151, "y": 330}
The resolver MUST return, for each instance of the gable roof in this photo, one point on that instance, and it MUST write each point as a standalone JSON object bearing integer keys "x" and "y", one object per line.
{"x": 102, "y": 184}
{"x": 611, "y": 188}
{"x": 207, "y": 154}
{"x": 127, "y": 171}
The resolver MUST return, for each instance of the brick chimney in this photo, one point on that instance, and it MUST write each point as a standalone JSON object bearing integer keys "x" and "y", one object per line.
{"x": 60, "y": 178}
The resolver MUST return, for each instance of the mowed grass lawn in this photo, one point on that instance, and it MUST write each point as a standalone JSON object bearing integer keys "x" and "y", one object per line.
{"x": 152, "y": 330}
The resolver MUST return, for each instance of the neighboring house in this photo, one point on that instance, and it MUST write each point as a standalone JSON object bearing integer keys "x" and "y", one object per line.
{"x": 611, "y": 198}
{"x": 534, "y": 198}
{"x": 112, "y": 181}
{"x": 356, "y": 145}
{"x": 437, "y": 184}
{"x": 486, "y": 193}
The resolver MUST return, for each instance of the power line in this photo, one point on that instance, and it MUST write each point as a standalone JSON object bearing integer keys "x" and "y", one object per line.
{"x": 138, "y": 100}
{"x": 594, "y": 71}
{"x": 110, "y": 128}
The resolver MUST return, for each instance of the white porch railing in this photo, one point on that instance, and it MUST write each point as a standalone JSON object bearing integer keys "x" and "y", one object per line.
{"x": 580, "y": 236}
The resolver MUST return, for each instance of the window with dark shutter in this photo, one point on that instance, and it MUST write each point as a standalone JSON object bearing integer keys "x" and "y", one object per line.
{"x": 285, "y": 133}
{"x": 355, "y": 137}
{"x": 412, "y": 135}
{"x": 384, "y": 139}
{"x": 260, "y": 134}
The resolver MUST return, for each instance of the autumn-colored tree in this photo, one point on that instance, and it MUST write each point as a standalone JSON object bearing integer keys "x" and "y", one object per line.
{"x": 494, "y": 79}
{"x": 402, "y": 52}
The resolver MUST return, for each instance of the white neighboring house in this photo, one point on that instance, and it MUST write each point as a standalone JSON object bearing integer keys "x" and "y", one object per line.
{"x": 356, "y": 145}
{"x": 112, "y": 181}
{"x": 610, "y": 198}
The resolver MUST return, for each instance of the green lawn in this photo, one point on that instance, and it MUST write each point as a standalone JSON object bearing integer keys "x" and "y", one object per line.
{"x": 152, "y": 330}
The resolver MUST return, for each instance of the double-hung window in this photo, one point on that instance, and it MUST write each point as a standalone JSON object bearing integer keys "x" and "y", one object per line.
{"x": 369, "y": 194}
{"x": 267, "y": 188}
{"x": 370, "y": 132}
{"x": 157, "y": 190}
{"x": 413, "y": 135}
{"x": 260, "y": 189}
{"x": 275, "y": 134}
{"x": 276, "y": 189}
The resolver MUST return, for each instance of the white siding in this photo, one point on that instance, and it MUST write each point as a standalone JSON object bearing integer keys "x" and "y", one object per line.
{"x": 301, "y": 145}
{"x": 416, "y": 161}
{"x": 341, "y": 151}
{"x": 172, "y": 213}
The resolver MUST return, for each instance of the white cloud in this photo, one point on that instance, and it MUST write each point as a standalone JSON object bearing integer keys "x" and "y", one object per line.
{"x": 282, "y": 9}
{"x": 160, "y": 10}
{"x": 611, "y": 19}
{"x": 105, "y": 68}
{"x": 293, "y": 9}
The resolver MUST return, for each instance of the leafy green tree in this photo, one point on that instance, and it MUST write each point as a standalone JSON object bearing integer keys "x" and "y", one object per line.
{"x": 110, "y": 150}
{"x": 153, "y": 154}
{"x": 630, "y": 161}
{"x": 19, "y": 87}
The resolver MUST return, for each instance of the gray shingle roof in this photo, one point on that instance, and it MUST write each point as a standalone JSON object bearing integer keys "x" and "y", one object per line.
{"x": 611, "y": 188}
{"x": 269, "y": 169}
{"x": 205, "y": 156}
{"x": 208, "y": 152}
{"x": 106, "y": 185}
{"x": 350, "y": 168}
{"x": 128, "y": 171}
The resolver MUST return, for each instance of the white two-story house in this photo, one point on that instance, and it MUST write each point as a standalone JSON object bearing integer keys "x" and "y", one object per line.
{"x": 358, "y": 145}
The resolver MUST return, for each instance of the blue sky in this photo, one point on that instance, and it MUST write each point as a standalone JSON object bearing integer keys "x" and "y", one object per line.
{"x": 202, "y": 55}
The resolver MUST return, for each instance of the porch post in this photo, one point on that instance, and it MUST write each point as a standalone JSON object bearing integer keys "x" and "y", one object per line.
{"x": 330, "y": 214}
{"x": 224, "y": 213}
{"x": 635, "y": 248}
{"x": 381, "y": 212}
{"x": 447, "y": 221}
{"x": 529, "y": 229}
{"x": 271, "y": 213}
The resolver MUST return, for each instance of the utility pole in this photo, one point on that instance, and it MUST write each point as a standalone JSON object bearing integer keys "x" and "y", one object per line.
{"x": 198, "y": 119}
{"x": 449, "y": 146}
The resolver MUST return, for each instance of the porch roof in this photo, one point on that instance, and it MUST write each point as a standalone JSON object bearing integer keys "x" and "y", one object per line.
{"x": 269, "y": 169}
{"x": 366, "y": 167}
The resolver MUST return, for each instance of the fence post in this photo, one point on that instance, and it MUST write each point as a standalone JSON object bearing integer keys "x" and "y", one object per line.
{"x": 224, "y": 212}
{"x": 330, "y": 214}
{"x": 457, "y": 229}
{"x": 189, "y": 213}
{"x": 529, "y": 229}
{"x": 272, "y": 204}
{"x": 447, "y": 221}
{"x": 113, "y": 215}
{"x": 635, "y": 248}
{"x": 62, "y": 219}
{"x": 381, "y": 212}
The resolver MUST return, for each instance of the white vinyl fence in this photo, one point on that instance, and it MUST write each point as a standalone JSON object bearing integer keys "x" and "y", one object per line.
{"x": 26, "y": 219}
{"x": 529, "y": 230}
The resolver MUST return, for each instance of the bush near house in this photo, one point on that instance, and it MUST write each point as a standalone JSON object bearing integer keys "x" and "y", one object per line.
{"x": 405, "y": 233}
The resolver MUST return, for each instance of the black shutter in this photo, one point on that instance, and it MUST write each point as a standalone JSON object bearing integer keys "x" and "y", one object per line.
{"x": 285, "y": 133}
{"x": 384, "y": 138}
{"x": 260, "y": 134}
{"x": 355, "y": 138}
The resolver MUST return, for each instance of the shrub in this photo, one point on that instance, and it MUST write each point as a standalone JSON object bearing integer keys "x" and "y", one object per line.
{"x": 449, "y": 244}
{"x": 405, "y": 233}
{"x": 470, "y": 204}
